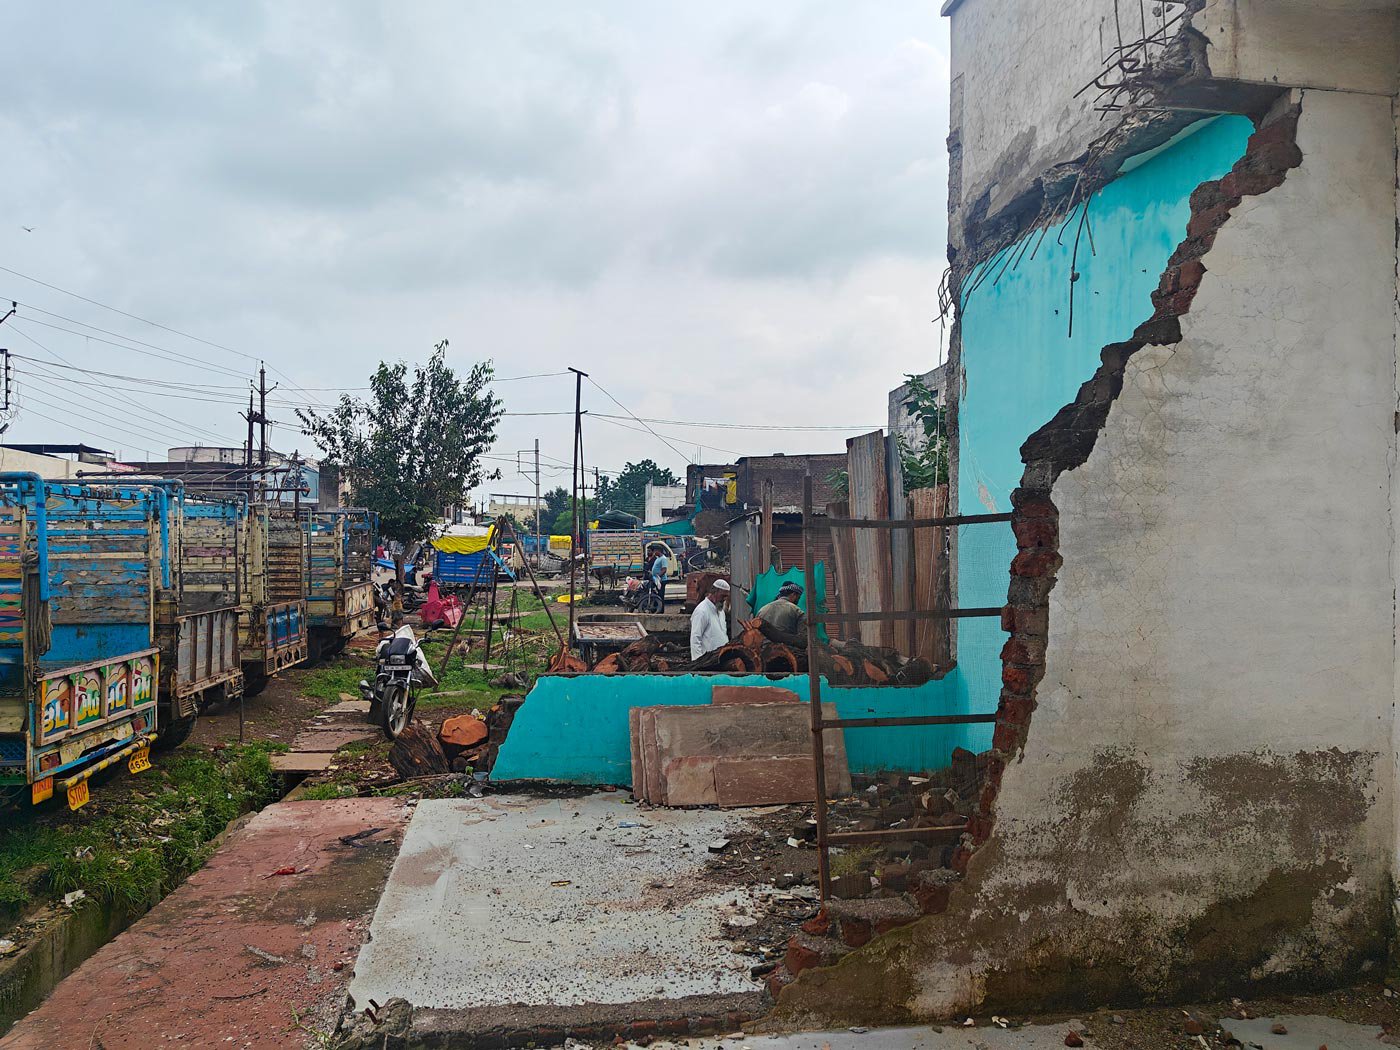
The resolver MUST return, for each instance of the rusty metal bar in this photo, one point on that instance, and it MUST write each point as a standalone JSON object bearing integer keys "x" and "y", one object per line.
{"x": 907, "y": 720}
{"x": 909, "y": 523}
{"x": 952, "y": 833}
{"x": 927, "y": 614}
{"x": 814, "y": 685}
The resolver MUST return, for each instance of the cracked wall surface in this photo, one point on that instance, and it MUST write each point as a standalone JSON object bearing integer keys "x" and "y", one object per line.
{"x": 1198, "y": 713}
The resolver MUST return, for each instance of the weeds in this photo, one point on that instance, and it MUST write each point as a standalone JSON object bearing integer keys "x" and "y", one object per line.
{"x": 853, "y": 861}
{"x": 134, "y": 851}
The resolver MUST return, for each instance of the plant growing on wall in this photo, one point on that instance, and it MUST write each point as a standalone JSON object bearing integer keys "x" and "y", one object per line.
{"x": 414, "y": 446}
{"x": 924, "y": 462}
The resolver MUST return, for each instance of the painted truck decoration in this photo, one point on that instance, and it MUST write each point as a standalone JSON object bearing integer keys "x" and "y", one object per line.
{"x": 80, "y": 569}
{"x": 127, "y": 606}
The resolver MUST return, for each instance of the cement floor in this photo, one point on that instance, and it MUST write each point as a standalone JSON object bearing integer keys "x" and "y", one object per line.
{"x": 515, "y": 900}
{"x": 1304, "y": 1033}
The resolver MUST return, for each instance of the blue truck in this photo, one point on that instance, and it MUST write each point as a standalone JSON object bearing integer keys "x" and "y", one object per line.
{"x": 81, "y": 571}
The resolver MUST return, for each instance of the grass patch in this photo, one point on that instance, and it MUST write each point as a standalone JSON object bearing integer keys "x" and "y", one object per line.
{"x": 854, "y": 861}
{"x": 328, "y": 681}
{"x": 325, "y": 792}
{"x": 138, "y": 847}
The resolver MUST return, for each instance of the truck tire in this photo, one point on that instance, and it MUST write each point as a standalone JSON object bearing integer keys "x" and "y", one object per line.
{"x": 173, "y": 734}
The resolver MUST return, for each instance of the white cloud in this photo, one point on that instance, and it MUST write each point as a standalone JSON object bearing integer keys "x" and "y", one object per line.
{"x": 731, "y": 212}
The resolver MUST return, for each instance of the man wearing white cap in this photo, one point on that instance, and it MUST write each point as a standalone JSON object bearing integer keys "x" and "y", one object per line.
{"x": 707, "y": 630}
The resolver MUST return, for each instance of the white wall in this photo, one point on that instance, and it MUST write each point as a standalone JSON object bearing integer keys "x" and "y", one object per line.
{"x": 44, "y": 466}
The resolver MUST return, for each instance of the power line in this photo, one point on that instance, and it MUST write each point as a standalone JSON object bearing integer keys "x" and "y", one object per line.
{"x": 613, "y": 422}
{"x": 619, "y": 404}
{"x": 165, "y": 355}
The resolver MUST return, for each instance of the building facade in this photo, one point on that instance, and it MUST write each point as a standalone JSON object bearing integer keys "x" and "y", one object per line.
{"x": 1174, "y": 264}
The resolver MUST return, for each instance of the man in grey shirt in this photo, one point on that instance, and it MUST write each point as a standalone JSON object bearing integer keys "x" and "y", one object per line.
{"x": 783, "y": 615}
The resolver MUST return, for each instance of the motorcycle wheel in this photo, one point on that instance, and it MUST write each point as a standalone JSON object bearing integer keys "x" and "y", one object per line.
{"x": 652, "y": 603}
{"x": 395, "y": 710}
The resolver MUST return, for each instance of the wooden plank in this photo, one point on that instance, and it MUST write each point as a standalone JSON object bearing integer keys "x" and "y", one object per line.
{"x": 870, "y": 499}
{"x": 901, "y": 546}
{"x": 930, "y": 636}
{"x": 843, "y": 554}
{"x": 764, "y": 561}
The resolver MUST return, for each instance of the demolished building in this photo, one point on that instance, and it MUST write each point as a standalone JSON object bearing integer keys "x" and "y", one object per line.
{"x": 1174, "y": 270}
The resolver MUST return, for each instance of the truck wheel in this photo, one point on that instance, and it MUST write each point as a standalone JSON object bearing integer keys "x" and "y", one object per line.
{"x": 173, "y": 734}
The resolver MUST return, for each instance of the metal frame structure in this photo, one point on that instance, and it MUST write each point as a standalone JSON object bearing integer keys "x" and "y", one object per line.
{"x": 820, "y": 723}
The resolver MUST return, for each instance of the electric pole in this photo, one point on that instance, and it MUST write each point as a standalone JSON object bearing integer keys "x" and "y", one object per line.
{"x": 575, "y": 546}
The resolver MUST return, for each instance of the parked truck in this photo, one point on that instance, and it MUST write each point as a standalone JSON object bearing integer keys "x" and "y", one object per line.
{"x": 80, "y": 570}
{"x": 272, "y": 614}
{"x": 339, "y": 591}
{"x": 197, "y": 628}
{"x": 617, "y": 553}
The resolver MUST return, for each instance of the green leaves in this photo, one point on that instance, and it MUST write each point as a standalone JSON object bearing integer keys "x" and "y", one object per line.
{"x": 414, "y": 446}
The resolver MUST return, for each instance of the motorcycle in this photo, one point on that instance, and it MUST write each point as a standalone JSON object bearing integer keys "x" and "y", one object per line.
{"x": 399, "y": 669}
{"x": 641, "y": 596}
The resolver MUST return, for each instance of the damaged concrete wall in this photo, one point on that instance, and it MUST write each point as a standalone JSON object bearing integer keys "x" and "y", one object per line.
{"x": 1200, "y": 789}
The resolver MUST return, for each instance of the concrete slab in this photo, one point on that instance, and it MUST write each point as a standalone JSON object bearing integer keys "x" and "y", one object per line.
{"x": 228, "y": 957}
{"x": 302, "y": 761}
{"x": 348, "y": 707}
{"x": 331, "y": 739}
{"x": 511, "y": 901}
{"x": 1311, "y": 1033}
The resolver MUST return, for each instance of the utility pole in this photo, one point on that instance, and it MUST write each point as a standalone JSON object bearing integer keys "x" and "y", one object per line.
{"x": 575, "y": 544}
{"x": 259, "y": 417}
{"x": 250, "y": 416}
{"x": 537, "y": 492}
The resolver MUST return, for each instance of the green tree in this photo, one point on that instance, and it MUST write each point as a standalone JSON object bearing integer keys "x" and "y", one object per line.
{"x": 414, "y": 446}
{"x": 925, "y": 462}
{"x": 628, "y": 491}
{"x": 556, "y": 502}
{"x": 564, "y": 520}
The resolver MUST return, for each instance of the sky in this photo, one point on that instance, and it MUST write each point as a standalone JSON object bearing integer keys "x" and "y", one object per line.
{"x": 726, "y": 213}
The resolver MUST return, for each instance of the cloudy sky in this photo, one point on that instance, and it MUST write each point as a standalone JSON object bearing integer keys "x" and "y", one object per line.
{"x": 729, "y": 213}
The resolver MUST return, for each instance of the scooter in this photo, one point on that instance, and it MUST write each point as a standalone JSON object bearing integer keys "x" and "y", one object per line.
{"x": 399, "y": 669}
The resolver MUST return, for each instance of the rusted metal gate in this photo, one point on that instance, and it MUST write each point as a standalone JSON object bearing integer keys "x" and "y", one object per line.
{"x": 884, "y": 530}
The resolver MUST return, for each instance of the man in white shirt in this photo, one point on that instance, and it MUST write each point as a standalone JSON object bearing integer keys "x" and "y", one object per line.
{"x": 707, "y": 630}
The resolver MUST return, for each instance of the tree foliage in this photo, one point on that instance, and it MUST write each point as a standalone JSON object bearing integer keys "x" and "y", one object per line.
{"x": 414, "y": 446}
{"x": 925, "y": 461}
{"x": 628, "y": 491}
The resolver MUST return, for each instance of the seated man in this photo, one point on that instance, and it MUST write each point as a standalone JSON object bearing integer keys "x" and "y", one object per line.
{"x": 707, "y": 629}
{"x": 784, "y": 616}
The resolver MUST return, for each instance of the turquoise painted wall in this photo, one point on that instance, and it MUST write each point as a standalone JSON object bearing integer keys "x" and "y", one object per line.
{"x": 575, "y": 729}
{"x": 1021, "y": 365}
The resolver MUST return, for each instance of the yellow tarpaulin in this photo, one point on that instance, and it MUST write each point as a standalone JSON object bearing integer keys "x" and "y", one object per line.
{"x": 560, "y": 543}
{"x": 464, "y": 544}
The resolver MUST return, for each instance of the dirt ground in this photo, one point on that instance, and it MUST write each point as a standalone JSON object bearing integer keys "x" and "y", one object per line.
{"x": 277, "y": 713}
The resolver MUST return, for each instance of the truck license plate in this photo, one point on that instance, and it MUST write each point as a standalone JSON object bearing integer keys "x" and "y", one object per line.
{"x": 140, "y": 760}
{"x": 78, "y": 795}
{"x": 41, "y": 790}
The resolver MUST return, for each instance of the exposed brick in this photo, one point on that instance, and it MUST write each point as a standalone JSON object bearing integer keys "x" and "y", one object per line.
{"x": 1036, "y": 563}
{"x": 800, "y": 955}
{"x": 1015, "y": 708}
{"x": 818, "y": 925}
{"x": 1024, "y": 650}
{"x": 933, "y": 899}
{"x": 1035, "y": 532}
{"x": 1008, "y": 736}
{"x": 642, "y": 1028}
{"x": 1191, "y": 271}
{"x": 1210, "y": 220}
{"x": 1032, "y": 504}
{"x": 777, "y": 981}
{"x": 1017, "y": 679}
{"x": 855, "y": 932}
{"x": 1034, "y": 622}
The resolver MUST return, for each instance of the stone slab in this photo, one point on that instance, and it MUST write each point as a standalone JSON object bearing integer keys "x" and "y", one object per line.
{"x": 752, "y": 694}
{"x": 348, "y": 707}
{"x": 301, "y": 761}
{"x": 231, "y": 956}
{"x": 331, "y": 739}
{"x": 689, "y": 781}
{"x": 769, "y": 781}
{"x": 634, "y": 737}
